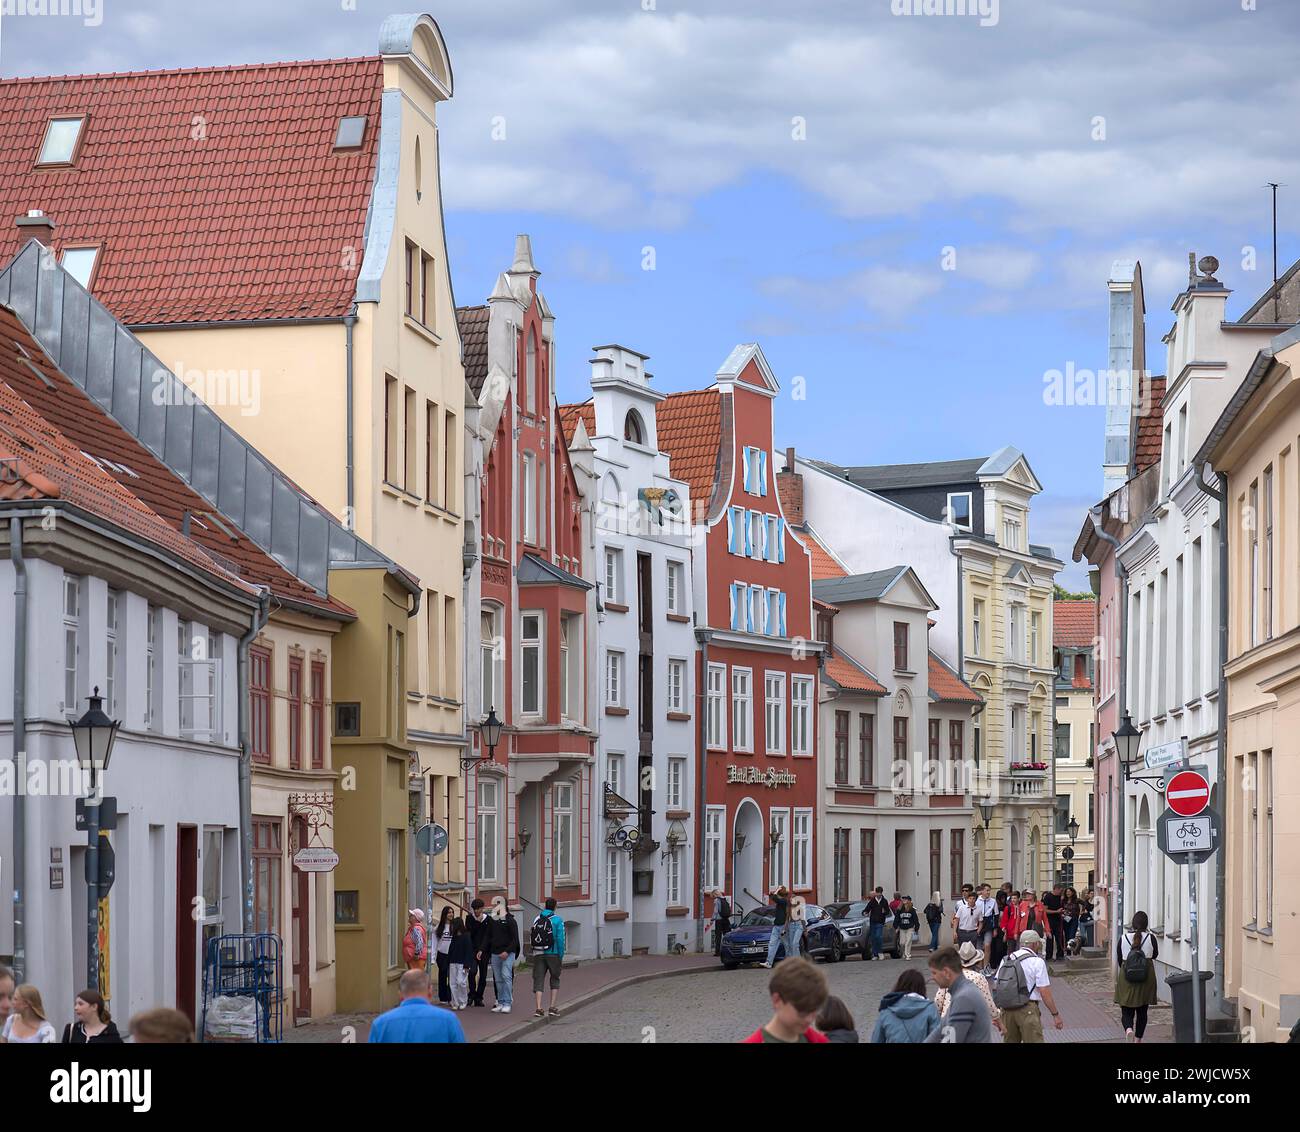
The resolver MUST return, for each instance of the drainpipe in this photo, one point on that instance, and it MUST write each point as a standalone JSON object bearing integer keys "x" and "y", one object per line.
{"x": 260, "y": 619}
{"x": 349, "y": 321}
{"x": 1121, "y": 575}
{"x": 1220, "y": 493}
{"x": 19, "y": 746}
{"x": 702, "y": 638}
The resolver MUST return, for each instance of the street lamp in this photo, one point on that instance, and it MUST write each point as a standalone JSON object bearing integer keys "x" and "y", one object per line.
{"x": 93, "y": 736}
{"x": 1073, "y": 829}
{"x": 986, "y": 811}
{"x": 489, "y": 735}
{"x": 1127, "y": 740}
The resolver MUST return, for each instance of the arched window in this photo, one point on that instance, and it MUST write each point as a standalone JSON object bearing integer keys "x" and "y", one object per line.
{"x": 633, "y": 428}
{"x": 530, "y": 373}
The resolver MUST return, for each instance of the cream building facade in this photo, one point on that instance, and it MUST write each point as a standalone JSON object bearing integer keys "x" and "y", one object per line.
{"x": 1073, "y": 636}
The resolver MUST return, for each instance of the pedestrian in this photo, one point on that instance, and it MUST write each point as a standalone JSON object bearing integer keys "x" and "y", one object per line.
{"x": 967, "y": 1018}
{"x": 1010, "y": 920}
{"x": 415, "y": 1019}
{"x": 798, "y": 991}
{"x": 503, "y": 946}
{"x": 478, "y": 925}
{"x": 988, "y": 910}
{"x": 415, "y": 947}
{"x": 8, "y": 984}
{"x": 896, "y": 903}
{"x": 780, "y": 902}
{"x": 1135, "y": 976}
{"x": 934, "y": 917}
{"x": 1070, "y": 919}
{"x": 906, "y": 926}
{"x": 972, "y": 960}
{"x": 546, "y": 942}
{"x": 1020, "y": 985}
{"x": 906, "y": 1015}
{"x": 721, "y": 919}
{"x": 967, "y": 920}
{"x": 441, "y": 943}
{"x": 161, "y": 1026}
{"x": 877, "y": 911}
{"x": 999, "y": 948}
{"x": 27, "y": 1023}
{"x": 835, "y": 1021}
{"x": 1030, "y": 916}
{"x": 460, "y": 960}
{"x": 1054, "y": 904}
{"x": 94, "y": 1024}
{"x": 1084, "y": 932}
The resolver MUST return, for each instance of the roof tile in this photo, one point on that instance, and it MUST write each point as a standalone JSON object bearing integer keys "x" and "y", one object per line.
{"x": 947, "y": 687}
{"x": 1074, "y": 624}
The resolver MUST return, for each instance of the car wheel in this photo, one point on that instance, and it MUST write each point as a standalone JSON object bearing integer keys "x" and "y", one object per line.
{"x": 837, "y": 951}
{"x": 729, "y": 966}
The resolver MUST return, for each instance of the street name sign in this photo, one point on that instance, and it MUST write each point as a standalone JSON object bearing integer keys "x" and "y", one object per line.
{"x": 1166, "y": 754}
{"x": 1187, "y": 793}
{"x": 431, "y": 839}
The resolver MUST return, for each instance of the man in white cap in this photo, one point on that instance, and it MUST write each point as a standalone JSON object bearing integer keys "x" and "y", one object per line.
{"x": 415, "y": 948}
{"x": 1020, "y": 984}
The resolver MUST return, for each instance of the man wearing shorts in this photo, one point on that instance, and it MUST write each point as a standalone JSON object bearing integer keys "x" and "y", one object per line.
{"x": 967, "y": 921}
{"x": 547, "y": 940}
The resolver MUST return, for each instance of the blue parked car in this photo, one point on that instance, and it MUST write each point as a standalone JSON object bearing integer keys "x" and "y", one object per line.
{"x": 747, "y": 943}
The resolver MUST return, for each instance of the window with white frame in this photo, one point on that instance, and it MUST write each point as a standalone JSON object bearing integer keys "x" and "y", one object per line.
{"x": 489, "y": 831}
{"x": 673, "y": 877}
{"x": 802, "y": 848}
{"x": 1035, "y": 631}
{"x": 801, "y": 698}
{"x": 614, "y": 575}
{"x": 71, "y": 644}
{"x": 757, "y": 609}
{"x": 779, "y": 855}
{"x": 742, "y": 709}
{"x": 959, "y": 509}
{"x": 1011, "y": 532}
{"x": 676, "y": 784}
{"x": 112, "y": 668}
{"x": 614, "y": 678}
{"x": 677, "y": 685}
{"x": 757, "y": 535}
{"x": 530, "y": 663}
{"x": 1015, "y": 632}
{"x": 185, "y": 646}
{"x": 614, "y": 772}
{"x": 739, "y": 595}
{"x": 774, "y": 626}
{"x": 152, "y": 618}
{"x": 491, "y": 652}
{"x": 773, "y": 539}
{"x": 529, "y": 498}
{"x": 774, "y": 712}
{"x": 571, "y": 653}
{"x": 675, "y": 584}
{"x": 563, "y": 818}
{"x": 715, "y": 818}
{"x": 613, "y": 873}
{"x": 716, "y": 706}
{"x": 977, "y": 628}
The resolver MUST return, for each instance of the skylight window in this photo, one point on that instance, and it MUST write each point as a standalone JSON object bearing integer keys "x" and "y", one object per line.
{"x": 351, "y": 131}
{"x": 60, "y": 144}
{"x": 80, "y": 264}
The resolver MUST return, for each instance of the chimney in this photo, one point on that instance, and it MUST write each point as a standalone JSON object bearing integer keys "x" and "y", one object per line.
{"x": 36, "y": 225}
{"x": 789, "y": 489}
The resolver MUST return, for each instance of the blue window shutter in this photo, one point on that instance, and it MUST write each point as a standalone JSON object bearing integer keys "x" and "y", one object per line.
{"x": 749, "y": 610}
{"x": 762, "y": 473}
{"x": 749, "y": 534}
{"x": 780, "y": 540}
{"x": 783, "y": 614}
{"x": 731, "y": 530}
{"x": 733, "y": 605}
{"x": 744, "y": 462}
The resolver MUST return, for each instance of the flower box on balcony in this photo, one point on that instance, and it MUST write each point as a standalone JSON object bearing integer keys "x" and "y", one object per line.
{"x": 1028, "y": 768}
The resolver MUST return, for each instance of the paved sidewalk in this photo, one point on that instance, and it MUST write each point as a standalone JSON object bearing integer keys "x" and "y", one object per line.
{"x": 580, "y": 984}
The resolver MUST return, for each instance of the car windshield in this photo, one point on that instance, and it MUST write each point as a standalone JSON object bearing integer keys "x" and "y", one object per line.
{"x": 757, "y": 918}
{"x": 848, "y": 911}
{"x": 812, "y": 913}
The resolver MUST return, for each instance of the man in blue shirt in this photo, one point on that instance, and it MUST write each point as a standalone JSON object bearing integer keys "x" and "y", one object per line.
{"x": 415, "y": 1018}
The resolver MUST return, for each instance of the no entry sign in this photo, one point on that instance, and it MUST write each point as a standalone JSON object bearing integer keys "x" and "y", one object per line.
{"x": 1187, "y": 793}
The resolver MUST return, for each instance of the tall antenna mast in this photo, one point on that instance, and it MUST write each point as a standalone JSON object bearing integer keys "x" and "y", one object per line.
{"x": 1274, "y": 186}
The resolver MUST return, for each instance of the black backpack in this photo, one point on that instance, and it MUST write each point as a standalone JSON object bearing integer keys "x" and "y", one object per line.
{"x": 541, "y": 936}
{"x": 1135, "y": 962}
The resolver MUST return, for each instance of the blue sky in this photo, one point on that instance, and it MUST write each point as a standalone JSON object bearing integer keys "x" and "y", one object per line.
{"x": 799, "y": 171}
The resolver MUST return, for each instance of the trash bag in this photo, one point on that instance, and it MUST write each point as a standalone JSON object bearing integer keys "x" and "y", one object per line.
{"x": 232, "y": 1017}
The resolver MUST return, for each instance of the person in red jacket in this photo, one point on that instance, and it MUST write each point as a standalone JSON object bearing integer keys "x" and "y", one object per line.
{"x": 1028, "y": 914}
{"x": 798, "y": 991}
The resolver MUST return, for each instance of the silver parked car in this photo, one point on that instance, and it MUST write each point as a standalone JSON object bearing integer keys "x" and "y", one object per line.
{"x": 850, "y": 917}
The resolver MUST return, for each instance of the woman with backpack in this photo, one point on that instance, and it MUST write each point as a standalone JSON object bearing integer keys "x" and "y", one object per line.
{"x": 1135, "y": 976}
{"x": 442, "y": 941}
{"x": 933, "y": 914}
{"x": 906, "y": 1015}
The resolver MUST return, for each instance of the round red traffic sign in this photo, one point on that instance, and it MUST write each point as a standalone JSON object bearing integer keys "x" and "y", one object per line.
{"x": 1187, "y": 793}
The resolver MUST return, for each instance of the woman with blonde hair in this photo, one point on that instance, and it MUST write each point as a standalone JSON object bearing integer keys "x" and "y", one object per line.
{"x": 28, "y": 1024}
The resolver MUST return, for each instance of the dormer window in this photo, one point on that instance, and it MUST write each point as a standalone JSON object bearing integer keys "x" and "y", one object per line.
{"x": 62, "y": 137}
{"x": 80, "y": 264}
{"x": 959, "y": 509}
{"x": 633, "y": 429}
{"x": 351, "y": 131}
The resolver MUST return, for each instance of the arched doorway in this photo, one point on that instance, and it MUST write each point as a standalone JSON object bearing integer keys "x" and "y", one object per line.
{"x": 747, "y": 857}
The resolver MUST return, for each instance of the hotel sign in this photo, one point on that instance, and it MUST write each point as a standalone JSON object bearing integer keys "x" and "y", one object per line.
{"x": 755, "y": 776}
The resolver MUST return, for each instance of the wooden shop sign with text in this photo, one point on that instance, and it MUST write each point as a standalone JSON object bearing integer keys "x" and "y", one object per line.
{"x": 755, "y": 776}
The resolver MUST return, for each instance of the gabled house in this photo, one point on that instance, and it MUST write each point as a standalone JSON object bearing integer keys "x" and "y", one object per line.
{"x": 1074, "y": 651}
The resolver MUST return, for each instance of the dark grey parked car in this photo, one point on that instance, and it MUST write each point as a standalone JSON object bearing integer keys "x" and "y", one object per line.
{"x": 850, "y": 917}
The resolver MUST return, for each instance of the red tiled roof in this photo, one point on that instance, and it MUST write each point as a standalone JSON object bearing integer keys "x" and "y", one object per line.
{"x": 215, "y": 192}
{"x": 1146, "y": 449}
{"x": 690, "y": 431}
{"x": 473, "y": 323}
{"x": 143, "y": 489}
{"x": 947, "y": 687}
{"x": 823, "y": 565}
{"x": 853, "y": 677}
{"x": 1074, "y": 624}
{"x": 570, "y": 415}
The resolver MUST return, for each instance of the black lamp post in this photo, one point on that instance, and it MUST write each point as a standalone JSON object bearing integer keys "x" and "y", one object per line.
{"x": 1073, "y": 829}
{"x": 1127, "y": 740}
{"x": 490, "y": 735}
{"x": 986, "y": 811}
{"x": 93, "y": 736}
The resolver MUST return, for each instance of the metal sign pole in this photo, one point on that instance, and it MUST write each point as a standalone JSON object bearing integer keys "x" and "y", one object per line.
{"x": 1194, "y": 928}
{"x": 428, "y": 912}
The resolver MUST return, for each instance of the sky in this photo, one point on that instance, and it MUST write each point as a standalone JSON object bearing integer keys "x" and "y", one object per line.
{"x": 915, "y": 215}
